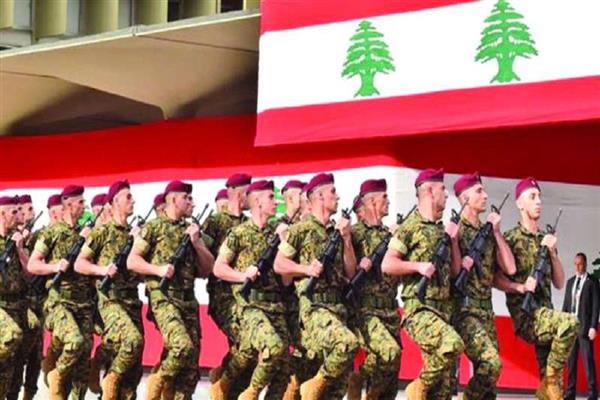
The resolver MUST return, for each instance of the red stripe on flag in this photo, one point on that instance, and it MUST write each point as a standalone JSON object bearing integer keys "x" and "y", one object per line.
{"x": 449, "y": 111}
{"x": 289, "y": 14}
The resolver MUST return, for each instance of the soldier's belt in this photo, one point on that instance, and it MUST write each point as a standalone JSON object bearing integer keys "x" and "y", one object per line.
{"x": 437, "y": 304}
{"x": 327, "y": 298}
{"x": 270, "y": 297}
{"x": 181, "y": 294}
{"x": 123, "y": 294}
{"x": 66, "y": 294}
{"x": 379, "y": 302}
{"x": 483, "y": 304}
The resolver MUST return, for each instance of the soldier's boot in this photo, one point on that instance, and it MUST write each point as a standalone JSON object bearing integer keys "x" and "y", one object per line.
{"x": 110, "y": 386}
{"x": 540, "y": 393}
{"x": 94, "y": 377}
{"x": 313, "y": 388}
{"x": 355, "y": 383}
{"x": 553, "y": 391}
{"x": 220, "y": 389}
{"x": 154, "y": 386}
{"x": 416, "y": 390}
{"x": 373, "y": 393}
{"x": 215, "y": 374}
{"x": 48, "y": 364}
{"x": 293, "y": 389}
{"x": 56, "y": 383}
{"x": 251, "y": 393}
{"x": 168, "y": 392}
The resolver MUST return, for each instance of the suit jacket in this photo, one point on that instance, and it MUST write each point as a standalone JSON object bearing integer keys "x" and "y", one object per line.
{"x": 589, "y": 303}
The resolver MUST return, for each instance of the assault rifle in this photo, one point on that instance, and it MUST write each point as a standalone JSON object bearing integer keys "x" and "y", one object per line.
{"x": 10, "y": 249}
{"x": 539, "y": 271}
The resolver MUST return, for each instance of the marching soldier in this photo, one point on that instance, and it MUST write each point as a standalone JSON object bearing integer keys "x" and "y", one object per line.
{"x": 159, "y": 204}
{"x": 409, "y": 255}
{"x": 552, "y": 332}
{"x": 175, "y": 307}
{"x": 325, "y": 334}
{"x": 119, "y": 308}
{"x": 264, "y": 332}
{"x": 13, "y": 286}
{"x": 221, "y": 200}
{"x": 377, "y": 320}
{"x": 474, "y": 319}
{"x": 69, "y": 307}
{"x": 100, "y": 209}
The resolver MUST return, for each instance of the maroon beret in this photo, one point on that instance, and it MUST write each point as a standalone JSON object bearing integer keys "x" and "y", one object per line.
{"x": 293, "y": 184}
{"x": 221, "y": 195}
{"x": 236, "y": 180}
{"x": 72, "y": 191}
{"x": 159, "y": 199}
{"x": 318, "y": 180}
{"x": 54, "y": 200}
{"x": 9, "y": 200}
{"x": 115, "y": 188}
{"x": 260, "y": 185}
{"x": 99, "y": 200}
{"x": 357, "y": 203}
{"x": 178, "y": 186}
{"x": 525, "y": 184}
{"x": 465, "y": 182}
{"x": 24, "y": 199}
{"x": 372, "y": 185}
{"x": 430, "y": 175}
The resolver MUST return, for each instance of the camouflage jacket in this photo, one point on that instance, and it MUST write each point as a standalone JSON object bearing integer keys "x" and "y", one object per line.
{"x": 158, "y": 242}
{"x": 475, "y": 288}
{"x": 242, "y": 248}
{"x": 17, "y": 282}
{"x": 103, "y": 244}
{"x": 217, "y": 226}
{"x": 525, "y": 246}
{"x": 416, "y": 239}
{"x": 365, "y": 240}
{"x": 54, "y": 243}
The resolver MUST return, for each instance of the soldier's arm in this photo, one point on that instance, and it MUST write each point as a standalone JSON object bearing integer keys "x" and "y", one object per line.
{"x": 224, "y": 271}
{"x": 21, "y": 252}
{"x": 501, "y": 282}
{"x": 558, "y": 272}
{"x": 284, "y": 263}
{"x": 84, "y": 264}
{"x": 504, "y": 256}
{"x": 136, "y": 261}
{"x": 38, "y": 266}
{"x": 455, "y": 256}
{"x": 393, "y": 264}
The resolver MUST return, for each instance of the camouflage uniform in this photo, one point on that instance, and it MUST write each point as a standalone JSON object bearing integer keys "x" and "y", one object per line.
{"x": 120, "y": 310}
{"x": 70, "y": 310}
{"x": 264, "y": 333}
{"x": 13, "y": 316}
{"x": 474, "y": 320}
{"x": 377, "y": 321}
{"x": 176, "y": 311}
{"x": 330, "y": 344}
{"x": 428, "y": 323}
{"x": 552, "y": 332}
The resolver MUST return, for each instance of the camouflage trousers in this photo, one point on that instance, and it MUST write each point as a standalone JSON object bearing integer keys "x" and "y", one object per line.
{"x": 379, "y": 334}
{"x": 477, "y": 329}
{"x": 123, "y": 343}
{"x": 298, "y": 359}
{"x": 331, "y": 346}
{"x": 72, "y": 326}
{"x": 264, "y": 337}
{"x": 29, "y": 358}
{"x": 179, "y": 325}
{"x": 440, "y": 346}
{"x": 12, "y": 323}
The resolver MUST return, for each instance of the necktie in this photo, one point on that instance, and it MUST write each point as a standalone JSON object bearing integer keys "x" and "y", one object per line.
{"x": 575, "y": 296}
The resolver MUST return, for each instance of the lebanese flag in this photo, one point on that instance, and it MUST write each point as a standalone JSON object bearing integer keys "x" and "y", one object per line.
{"x": 340, "y": 69}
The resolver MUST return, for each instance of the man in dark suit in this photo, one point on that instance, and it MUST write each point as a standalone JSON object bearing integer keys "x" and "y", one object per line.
{"x": 582, "y": 298}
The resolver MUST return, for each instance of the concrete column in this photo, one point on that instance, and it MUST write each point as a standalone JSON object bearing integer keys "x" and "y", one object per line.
{"x": 251, "y": 4}
{"x": 7, "y": 13}
{"x": 197, "y": 8}
{"x": 149, "y": 12}
{"x": 50, "y": 18}
{"x": 100, "y": 16}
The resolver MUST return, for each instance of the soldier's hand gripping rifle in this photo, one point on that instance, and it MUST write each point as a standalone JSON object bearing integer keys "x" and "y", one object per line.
{"x": 10, "y": 249}
{"x": 476, "y": 250}
{"x": 120, "y": 259}
{"x": 180, "y": 254}
{"x": 440, "y": 257}
{"x": 264, "y": 263}
{"x": 327, "y": 259}
{"x": 539, "y": 271}
{"x": 74, "y": 251}
{"x": 376, "y": 259}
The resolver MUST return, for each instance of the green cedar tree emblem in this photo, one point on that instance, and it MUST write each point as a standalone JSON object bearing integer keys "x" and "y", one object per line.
{"x": 367, "y": 55}
{"x": 504, "y": 39}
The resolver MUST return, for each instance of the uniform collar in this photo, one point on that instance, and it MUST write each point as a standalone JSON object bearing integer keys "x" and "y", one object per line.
{"x": 525, "y": 232}
{"x": 314, "y": 220}
{"x": 465, "y": 221}
{"x": 426, "y": 221}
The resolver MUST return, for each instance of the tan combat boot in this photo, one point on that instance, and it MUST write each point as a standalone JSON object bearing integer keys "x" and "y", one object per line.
{"x": 48, "y": 364}
{"x": 110, "y": 386}
{"x": 215, "y": 374}
{"x": 292, "y": 392}
{"x": 313, "y": 388}
{"x": 94, "y": 377}
{"x": 416, "y": 390}
{"x": 373, "y": 393}
{"x": 56, "y": 383}
{"x": 553, "y": 391}
{"x": 251, "y": 393}
{"x": 220, "y": 389}
{"x": 168, "y": 392}
{"x": 355, "y": 383}
{"x": 154, "y": 386}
